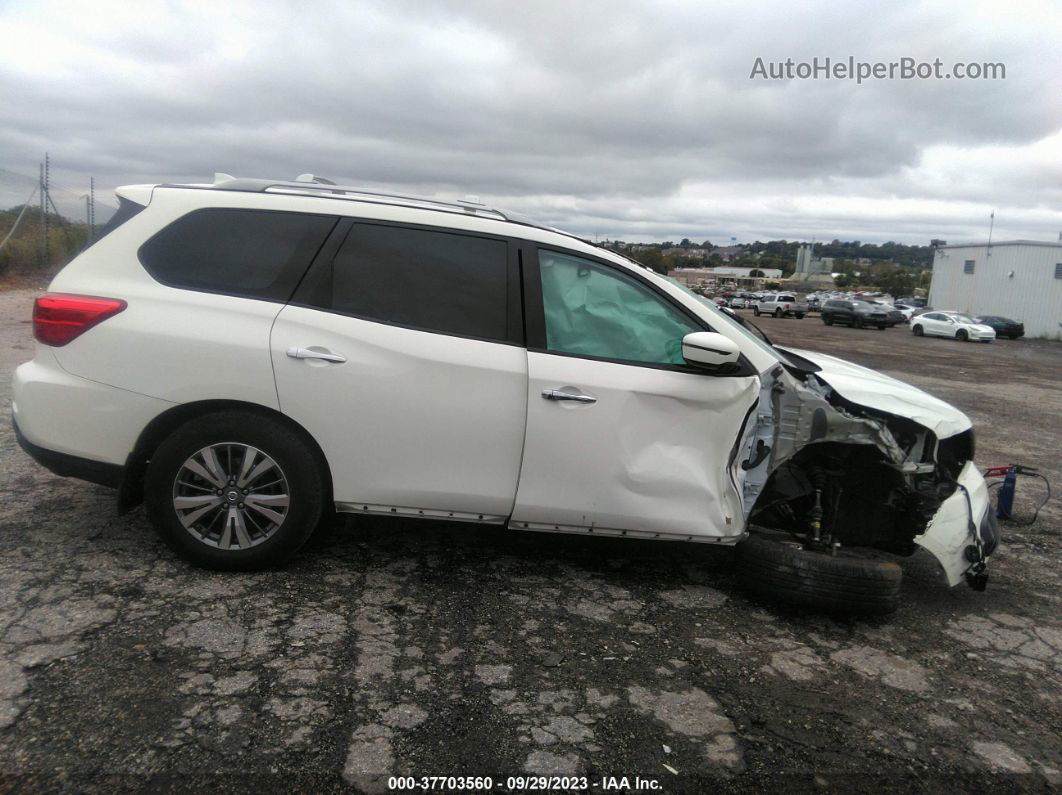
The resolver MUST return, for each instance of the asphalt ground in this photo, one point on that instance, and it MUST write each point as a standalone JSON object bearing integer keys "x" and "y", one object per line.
{"x": 393, "y": 648}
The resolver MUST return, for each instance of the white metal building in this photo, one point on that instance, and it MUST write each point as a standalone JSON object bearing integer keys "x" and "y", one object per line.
{"x": 1019, "y": 279}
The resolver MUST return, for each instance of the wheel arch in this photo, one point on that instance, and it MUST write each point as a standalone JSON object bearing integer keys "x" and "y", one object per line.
{"x": 131, "y": 488}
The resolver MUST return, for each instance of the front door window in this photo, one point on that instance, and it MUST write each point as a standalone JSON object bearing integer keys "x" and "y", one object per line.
{"x": 592, "y": 310}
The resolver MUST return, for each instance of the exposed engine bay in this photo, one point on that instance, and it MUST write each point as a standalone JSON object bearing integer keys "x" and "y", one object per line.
{"x": 840, "y": 473}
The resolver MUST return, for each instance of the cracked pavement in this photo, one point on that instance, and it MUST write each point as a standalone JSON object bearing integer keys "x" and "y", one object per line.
{"x": 391, "y": 647}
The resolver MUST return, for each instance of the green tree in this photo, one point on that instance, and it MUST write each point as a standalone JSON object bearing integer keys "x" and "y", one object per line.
{"x": 651, "y": 258}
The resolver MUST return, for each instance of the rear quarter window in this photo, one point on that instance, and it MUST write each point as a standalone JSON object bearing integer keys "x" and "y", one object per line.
{"x": 250, "y": 253}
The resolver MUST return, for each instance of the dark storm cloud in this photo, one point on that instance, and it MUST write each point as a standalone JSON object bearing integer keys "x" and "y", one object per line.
{"x": 624, "y": 121}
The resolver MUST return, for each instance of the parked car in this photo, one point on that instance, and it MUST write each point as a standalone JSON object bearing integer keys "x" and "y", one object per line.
{"x": 781, "y": 305}
{"x": 907, "y": 310}
{"x": 1003, "y": 326}
{"x": 737, "y": 302}
{"x": 951, "y": 324}
{"x": 247, "y": 356}
{"x": 858, "y": 314}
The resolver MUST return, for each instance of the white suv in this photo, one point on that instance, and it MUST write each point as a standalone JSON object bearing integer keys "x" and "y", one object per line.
{"x": 246, "y": 355}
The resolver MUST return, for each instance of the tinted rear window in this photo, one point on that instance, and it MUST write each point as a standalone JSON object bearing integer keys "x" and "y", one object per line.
{"x": 435, "y": 281}
{"x": 251, "y": 253}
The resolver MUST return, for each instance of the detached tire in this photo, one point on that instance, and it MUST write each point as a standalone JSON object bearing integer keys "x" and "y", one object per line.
{"x": 782, "y": 570}
{"x": 234, "y": 491}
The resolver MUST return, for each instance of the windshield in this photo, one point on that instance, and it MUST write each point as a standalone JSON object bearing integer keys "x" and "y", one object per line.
{"x": 962, "y": 318}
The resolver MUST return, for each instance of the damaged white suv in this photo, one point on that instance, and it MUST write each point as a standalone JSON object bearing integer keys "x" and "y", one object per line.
{"x": 247, "y": 355}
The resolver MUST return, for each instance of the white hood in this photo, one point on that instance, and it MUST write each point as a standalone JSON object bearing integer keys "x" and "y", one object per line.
{"x": 876, "y": 391}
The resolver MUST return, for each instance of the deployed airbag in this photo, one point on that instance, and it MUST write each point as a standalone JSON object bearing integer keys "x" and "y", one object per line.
{"x": 596, "y": 311}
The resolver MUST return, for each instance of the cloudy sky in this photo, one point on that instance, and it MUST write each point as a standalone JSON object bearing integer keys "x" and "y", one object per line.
{"x": 637, "y": 121}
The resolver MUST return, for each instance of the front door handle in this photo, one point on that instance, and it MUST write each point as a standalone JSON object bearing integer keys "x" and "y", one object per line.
{"x": 309, "y": 353}
{"x": 556, "y": 394}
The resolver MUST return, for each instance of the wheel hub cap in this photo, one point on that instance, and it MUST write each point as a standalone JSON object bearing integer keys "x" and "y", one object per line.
{"x": 231, "y": 496}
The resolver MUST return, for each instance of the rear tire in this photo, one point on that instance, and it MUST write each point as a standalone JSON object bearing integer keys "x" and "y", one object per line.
{"x": 857, "y": 322}
{"x": 881, "y": 327}
{"x": 917, "y": 331}
{"x": 756, "y": 311}
{"x": 828, "y": 321}
{"x": 800, "y": 316}
{"x": 778, "y": 313}
{"x": 781, "y": 569}
{"x": 284, "y": 500}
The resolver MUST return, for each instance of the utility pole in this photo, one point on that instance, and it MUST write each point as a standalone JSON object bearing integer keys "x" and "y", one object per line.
{"x": 991, "y": 226}
{"x": 92, "y": 209}
{"x": 40, "y": 225}
{"x": 48, "y": 196}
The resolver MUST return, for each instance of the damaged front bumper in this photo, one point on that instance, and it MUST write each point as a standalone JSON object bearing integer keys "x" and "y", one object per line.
{"x": 964, "y": 531}
{"x": 842, "y": 456}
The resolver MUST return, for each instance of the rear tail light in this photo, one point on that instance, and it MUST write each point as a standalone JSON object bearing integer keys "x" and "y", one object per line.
{"x": 59, "y": 318}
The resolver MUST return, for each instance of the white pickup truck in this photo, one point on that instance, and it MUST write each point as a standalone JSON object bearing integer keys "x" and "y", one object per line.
{"x": 780, "y": 305}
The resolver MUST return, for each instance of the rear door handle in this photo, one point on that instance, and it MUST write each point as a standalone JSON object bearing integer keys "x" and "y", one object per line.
{"x": 556, "y": 394}
{"x": 309, "y": 353}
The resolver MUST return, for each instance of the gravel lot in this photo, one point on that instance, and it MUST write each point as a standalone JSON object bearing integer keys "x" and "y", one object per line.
{"x": 389, "y": 647}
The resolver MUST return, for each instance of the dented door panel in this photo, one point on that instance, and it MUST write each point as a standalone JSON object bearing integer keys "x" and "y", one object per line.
{"x": 649, "y": 455}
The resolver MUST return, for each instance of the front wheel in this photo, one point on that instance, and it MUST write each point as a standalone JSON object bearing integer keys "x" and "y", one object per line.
{"x": 961, "y": 335}
{"x": 756, "y": 311}
{"x": 778, "y": 313}
{"x": 828, "y": 321}
{"x": 846, "y": 583}
{"x": 858, "y": 322}
{"x": 881, "y": 327}
{"x": 234, "y": 491}
{"x": 800, "y": 316}
{"x": 917, "y": 331}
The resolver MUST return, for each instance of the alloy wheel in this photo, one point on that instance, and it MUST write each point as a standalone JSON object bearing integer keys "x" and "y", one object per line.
{"x": 231, "y": 496}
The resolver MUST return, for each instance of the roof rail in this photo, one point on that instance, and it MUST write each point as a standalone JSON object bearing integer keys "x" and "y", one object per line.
{"x": 317, "y": 186}
{"x": 313, "y": 185}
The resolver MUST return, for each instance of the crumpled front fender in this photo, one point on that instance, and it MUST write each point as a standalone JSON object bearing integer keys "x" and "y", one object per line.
{"x": 949, "y": 533}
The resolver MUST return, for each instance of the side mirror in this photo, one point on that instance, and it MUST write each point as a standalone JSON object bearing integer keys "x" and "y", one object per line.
{"x": 709, "y": 349}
